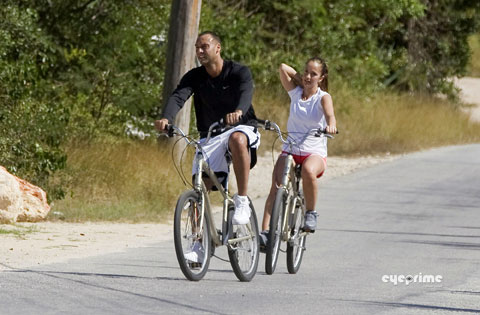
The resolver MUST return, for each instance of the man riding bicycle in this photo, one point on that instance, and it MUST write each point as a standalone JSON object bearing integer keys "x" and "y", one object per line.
{"x": 222, "y": 89}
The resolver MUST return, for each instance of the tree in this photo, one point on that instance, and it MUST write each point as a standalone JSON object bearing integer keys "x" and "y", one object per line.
{"x": 183, "y": 31}
{"x": 71, "y": 69}
{"x": 437, "y": 44}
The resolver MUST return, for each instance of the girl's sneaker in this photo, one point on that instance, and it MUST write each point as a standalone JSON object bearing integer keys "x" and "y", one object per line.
{"x": 263, "y": 241}
{"x": 310, "y": 221}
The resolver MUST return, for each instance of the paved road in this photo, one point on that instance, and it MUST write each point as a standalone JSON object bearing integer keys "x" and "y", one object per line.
{"x": 418, "y": 216}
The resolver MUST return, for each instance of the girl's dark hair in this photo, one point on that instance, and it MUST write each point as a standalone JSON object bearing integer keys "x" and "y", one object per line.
{"x": 324, "y": 72}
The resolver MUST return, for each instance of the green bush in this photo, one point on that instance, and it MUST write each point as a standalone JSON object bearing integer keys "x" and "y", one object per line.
{"x": 415, "y": 45}
{"x": 32, "y": 118}
{"x": 74, "y": 69}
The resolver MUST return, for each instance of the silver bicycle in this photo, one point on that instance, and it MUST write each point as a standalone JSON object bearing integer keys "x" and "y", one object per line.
{"x": 287, "y": 217}
{"x": 194, "y": 225}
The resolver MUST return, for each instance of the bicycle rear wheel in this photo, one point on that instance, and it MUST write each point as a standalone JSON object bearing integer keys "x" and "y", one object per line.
{"x": 275, "y": 232}
{"x": 191, "y": 234}
{"x": 296, "y": 243}
{"x": 244, "y": 254}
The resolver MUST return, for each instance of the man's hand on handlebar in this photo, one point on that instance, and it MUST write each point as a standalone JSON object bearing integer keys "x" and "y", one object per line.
{"x": 233, "y": 118}
{"x": 161, "y": 125}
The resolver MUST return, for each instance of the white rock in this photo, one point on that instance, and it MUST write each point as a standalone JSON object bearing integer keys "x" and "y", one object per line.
{"x": 20, "y": 200}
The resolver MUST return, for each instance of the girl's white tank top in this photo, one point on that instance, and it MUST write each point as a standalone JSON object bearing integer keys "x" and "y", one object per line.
{"x": 304, "y": 116}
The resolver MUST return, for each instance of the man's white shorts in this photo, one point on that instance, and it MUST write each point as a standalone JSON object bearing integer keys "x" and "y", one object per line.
{"x": 215, "y": 150}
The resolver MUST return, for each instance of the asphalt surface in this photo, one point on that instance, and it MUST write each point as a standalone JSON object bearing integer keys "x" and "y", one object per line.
{"x": 415, "y": 219}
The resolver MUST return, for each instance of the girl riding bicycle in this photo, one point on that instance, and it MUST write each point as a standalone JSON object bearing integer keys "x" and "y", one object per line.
{"x": 311, "y": 107}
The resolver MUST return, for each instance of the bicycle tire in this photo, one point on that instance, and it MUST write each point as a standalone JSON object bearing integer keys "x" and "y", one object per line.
{"x": 296, "y": 243}
{"x": 244, "y": 255}
{"x": 185, "y": 233}
{"x": 275, "y": 232}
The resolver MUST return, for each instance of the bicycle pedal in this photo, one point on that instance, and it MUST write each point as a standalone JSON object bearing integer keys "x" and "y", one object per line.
{"x": 194, "y": 265}
{"x": 263, "y": 249}
{"x": 308, "y": 231}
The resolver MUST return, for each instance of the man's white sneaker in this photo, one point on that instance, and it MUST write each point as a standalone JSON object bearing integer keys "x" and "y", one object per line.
{"x": 242, "y": 210}
{"x": 197, "y": 253}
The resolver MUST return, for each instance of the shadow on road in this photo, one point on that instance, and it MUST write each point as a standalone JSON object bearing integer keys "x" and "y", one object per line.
{"x": 457, "y": 245}
{"x": 414, "y": 306}
{"x": 61, "y": 275}
{"x": 402, "y": 233}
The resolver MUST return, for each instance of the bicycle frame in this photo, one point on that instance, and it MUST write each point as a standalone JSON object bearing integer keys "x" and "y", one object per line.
{"x": 199, "y": 186}
{"x": 291, "y": 176}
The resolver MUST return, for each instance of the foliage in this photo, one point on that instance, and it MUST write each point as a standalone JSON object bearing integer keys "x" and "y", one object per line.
{"x": 437, "y": 44}
{"x": 74, "y": 69}
{"x": 414, "y": 45}
{"x": 32, "y": 120}
{"x": 112, "y": 58}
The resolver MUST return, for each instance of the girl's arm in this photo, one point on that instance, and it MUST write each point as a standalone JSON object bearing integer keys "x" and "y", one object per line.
{"x": 327, "y": 105}
{"x": 289, "y": 77}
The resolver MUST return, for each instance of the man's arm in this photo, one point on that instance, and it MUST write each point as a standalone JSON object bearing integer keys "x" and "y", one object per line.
{"x": 245, "y": 94}
{"x": 176, "y": 101}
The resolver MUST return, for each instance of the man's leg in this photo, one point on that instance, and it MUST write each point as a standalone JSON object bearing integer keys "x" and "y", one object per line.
{"x": 238, "y": 145}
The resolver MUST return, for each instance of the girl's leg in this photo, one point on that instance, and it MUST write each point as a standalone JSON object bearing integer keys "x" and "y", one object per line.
{"x": 311, "y": 167}
{"x": 276, "y": 179}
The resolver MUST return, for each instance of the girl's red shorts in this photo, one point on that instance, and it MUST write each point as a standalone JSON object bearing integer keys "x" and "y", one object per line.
{"x": 299, "y": 159}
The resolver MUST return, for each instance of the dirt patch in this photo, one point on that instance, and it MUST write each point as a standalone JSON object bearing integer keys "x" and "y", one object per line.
{"x": 470, "y": 94}
{"x": 31, "y": 244}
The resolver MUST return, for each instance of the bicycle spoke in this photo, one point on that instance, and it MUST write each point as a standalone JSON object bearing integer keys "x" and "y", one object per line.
{"x": 192, "y": 244}
{"x": 243, "y": 249}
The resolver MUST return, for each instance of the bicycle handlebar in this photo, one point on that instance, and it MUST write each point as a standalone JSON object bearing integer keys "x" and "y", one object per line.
{"x": 172, "y": 130}
{"x": 219, "y": 126}
{"x": 270, "y": 125}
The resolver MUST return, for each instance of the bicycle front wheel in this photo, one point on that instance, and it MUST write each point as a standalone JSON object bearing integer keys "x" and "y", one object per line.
{"x": 191, "y": 236}
{"x": 296, "y": 242}
{"x": 275, "y": 232}
{"x": 244, "y": 248}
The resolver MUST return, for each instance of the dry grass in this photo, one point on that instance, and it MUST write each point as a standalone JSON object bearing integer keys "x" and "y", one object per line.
{"x": 133, "y": 181}
{"x": 119, "y": 181}
{"x": 399, "y": 123}
{"x": 17, "y": 230}
{"x": 474, "y": 66}
{"x": 387, "y": 122}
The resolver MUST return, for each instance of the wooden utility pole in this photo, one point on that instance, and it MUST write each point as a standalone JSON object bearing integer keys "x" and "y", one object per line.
{"x": 182, "y": 34}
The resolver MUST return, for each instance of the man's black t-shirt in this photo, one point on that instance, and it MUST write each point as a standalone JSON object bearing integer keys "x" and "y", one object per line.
{"x": 214, "y": 97}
